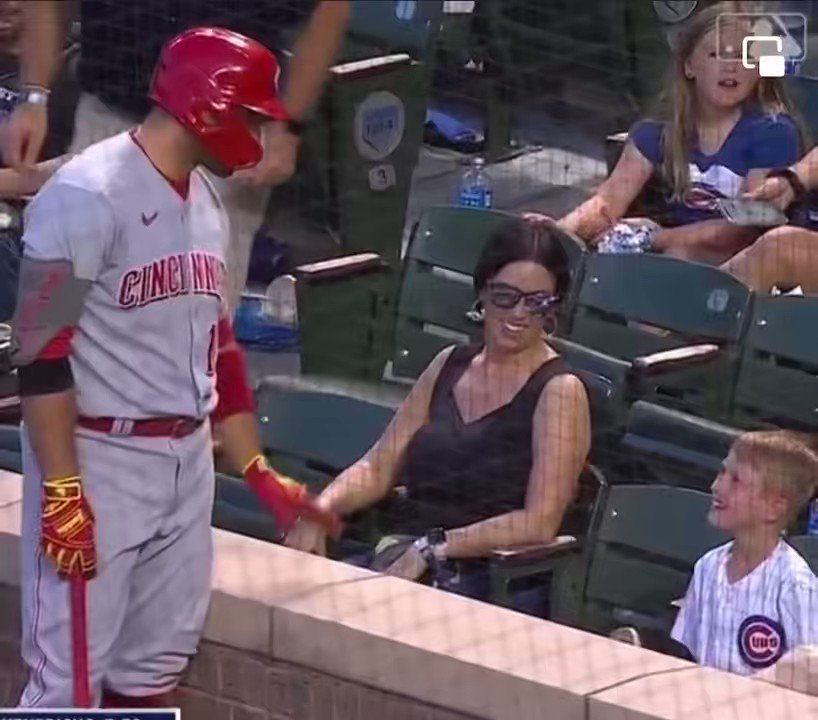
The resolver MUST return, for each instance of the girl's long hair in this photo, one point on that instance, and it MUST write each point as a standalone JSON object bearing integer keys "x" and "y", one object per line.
{"x": 680, "y": 132}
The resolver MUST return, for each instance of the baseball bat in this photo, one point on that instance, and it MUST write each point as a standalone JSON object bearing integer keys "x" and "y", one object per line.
{"x": 79, "y": 643}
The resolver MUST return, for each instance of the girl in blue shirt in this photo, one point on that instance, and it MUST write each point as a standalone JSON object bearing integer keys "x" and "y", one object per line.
{"x": 727, "y": 125}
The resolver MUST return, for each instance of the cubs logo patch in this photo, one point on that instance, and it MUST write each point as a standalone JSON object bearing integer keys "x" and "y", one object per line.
{"x": 761, "y": 641}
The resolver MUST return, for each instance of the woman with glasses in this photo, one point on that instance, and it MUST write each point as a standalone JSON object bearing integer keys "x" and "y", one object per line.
{"x": 488, "y": 447}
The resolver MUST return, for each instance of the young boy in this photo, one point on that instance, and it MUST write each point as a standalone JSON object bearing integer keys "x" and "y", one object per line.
{"x": 755, "y": 598}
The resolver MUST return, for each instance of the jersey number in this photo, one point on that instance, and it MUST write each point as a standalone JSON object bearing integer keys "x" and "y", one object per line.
{"x": 212, "y": 350}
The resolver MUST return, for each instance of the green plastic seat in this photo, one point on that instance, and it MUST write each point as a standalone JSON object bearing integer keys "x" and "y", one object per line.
{"x": 778, "y": 379}
{"x": 675, "y": 448}
{"x": 436, "y": 290}
{"x": 631, "y": 306}
{"x": 638, "y": 559}
{"x": 310, "y": 431}
{"x": 807, "y": 545}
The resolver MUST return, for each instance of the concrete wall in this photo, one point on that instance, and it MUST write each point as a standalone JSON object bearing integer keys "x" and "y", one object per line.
{"x": 296, "y": 637}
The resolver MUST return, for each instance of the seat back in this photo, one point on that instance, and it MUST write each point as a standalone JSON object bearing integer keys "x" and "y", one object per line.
{"x": 634, "y": 305}
{"x": 676, "y": 448}
{"x": 778, "y": 378}
{"x": 312, "y": 431}
{"x": 807, "y": 546}
{"x": 631, "y": 305}
{"x": 641, "y": 555}
{"x": 436, "y": 288}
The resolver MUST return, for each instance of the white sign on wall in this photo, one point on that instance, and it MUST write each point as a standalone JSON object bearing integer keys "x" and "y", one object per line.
{"x": 379, "y": 125}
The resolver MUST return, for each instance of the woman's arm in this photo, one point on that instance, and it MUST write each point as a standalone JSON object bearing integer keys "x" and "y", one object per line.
{"x": 561, "y": 439}
{"x": 613, "y": 197}
{"x": 371, "y": 478}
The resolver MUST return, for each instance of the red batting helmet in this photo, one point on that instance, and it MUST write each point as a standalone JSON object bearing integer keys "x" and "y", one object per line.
{"x": 204, "y": 77}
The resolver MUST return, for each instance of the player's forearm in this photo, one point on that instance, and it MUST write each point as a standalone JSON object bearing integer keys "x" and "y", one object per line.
{"x": 240, "y": 440}
{"x": 51, "y": 422}
{"x": 45, "y": 24}
{"x": 513, "y": 529}
{"x": 315, "y": 50}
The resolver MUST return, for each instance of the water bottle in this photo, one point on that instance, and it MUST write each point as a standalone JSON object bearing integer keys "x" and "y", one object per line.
{"x": 812, "y": 523}
{"x": 474, "y": 189}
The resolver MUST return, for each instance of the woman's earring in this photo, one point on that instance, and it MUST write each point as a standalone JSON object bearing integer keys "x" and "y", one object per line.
{"x": 476, "y": 313}
{"x": 550, "y": 325}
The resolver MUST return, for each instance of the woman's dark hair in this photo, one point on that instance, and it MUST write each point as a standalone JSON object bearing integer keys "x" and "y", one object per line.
{"x": 519, "y": 240}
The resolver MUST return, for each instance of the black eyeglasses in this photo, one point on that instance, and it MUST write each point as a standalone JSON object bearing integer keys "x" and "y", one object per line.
{"x": 507, "y": 297}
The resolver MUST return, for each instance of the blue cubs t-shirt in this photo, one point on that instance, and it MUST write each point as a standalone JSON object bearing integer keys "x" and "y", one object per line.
{"x": 758, "y": 141}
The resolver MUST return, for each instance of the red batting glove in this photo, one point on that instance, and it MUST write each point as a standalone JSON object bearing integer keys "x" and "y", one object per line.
{"x": 67, "y": 528}
{"x": 286, "y": 499}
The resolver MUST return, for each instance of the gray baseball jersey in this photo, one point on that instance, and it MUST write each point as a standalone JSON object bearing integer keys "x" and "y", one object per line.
{"x": 142, "y": 268}
{"x": 145, "y": 341}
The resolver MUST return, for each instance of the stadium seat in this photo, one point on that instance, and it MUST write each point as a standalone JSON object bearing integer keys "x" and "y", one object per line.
{"x": 807, "y": 545}
{"x": 309, "y": 433}
{"x": 673, "y": 447}
{"x": 523, "y": 563}
{"x": 10, "y": 451}
{"x": 669, "y": 329}
{"x": 436, "y": 290}
{"x": 778, "y": 377}
{"x": 637, "y": 559}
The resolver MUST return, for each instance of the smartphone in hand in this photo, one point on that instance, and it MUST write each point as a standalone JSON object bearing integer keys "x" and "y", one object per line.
{"x": 754, "y": 213}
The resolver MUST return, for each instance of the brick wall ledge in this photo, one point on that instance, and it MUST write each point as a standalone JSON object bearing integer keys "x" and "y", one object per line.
{"x": 295, "y": 636}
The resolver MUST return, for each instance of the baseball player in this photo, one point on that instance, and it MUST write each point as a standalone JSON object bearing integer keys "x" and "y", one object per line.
{"x": 756, "y": 598}
{"x": 124, "y": 353}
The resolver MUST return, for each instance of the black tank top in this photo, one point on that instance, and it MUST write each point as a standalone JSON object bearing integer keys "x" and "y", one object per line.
{"x": 458, "y": 473}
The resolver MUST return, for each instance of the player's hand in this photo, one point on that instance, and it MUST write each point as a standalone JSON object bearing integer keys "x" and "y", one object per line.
{"x": 286, "y": 499}
{"x": 280, "y": 155}
{"x": 776, "y": 190}
{"x": 23, "y": 135}
{"x": 307, "y": 537}
{"x": 68, "y": 528}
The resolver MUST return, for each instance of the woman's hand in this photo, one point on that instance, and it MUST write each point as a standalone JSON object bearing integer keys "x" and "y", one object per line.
{"x": 308, "y": 537}
{"x": 776, "y": 190}
{"x": 409, "y": 566}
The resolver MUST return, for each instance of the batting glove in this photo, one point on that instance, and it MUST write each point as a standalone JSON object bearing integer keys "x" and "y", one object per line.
{"x": 286, "y": 499}
{"x": 67, "y": 526}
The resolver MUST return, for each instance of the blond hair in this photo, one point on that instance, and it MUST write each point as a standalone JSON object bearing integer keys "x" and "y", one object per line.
{"x": 786, "y": 461}
{"x": 680, "y": 133}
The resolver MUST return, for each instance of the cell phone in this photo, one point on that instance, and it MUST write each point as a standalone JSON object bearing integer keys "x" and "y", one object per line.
{"x": 752, "y": 212}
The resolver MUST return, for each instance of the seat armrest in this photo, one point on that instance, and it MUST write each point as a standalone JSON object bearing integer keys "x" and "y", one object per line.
{"x": 675, "y": 359}
{"x": 340, "y": 267}
{"x": 560, "y": 545}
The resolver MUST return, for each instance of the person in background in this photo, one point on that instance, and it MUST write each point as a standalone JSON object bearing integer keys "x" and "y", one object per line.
{"x": 725, "y": 126}
{"x": 756, "y": 587}
{"x": 490, "y": 443}
{"x": 786, "y": 256}
{"x": 120, "y": 42}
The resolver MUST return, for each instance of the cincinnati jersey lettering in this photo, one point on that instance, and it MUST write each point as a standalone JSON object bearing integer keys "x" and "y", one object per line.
{"x": 198, "y": 273}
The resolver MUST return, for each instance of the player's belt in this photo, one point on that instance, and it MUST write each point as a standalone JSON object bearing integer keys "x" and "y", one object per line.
{"x": 176, "y": 427}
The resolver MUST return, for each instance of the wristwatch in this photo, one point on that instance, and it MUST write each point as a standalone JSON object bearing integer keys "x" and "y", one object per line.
{"x": 34, "y": 95}
{"x": 792, "y": 178}
{"x": 432, "y": 546}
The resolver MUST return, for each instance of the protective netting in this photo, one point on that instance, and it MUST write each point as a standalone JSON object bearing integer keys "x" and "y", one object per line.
{"x": 462, "y": 474}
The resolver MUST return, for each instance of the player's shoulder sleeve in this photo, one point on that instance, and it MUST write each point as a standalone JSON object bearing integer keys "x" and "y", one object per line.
{"x": 69, "y": 222}
{"x": 773, "y": 141}
{"x": 646, "y": 135}
{"x": 799, "y": 600}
